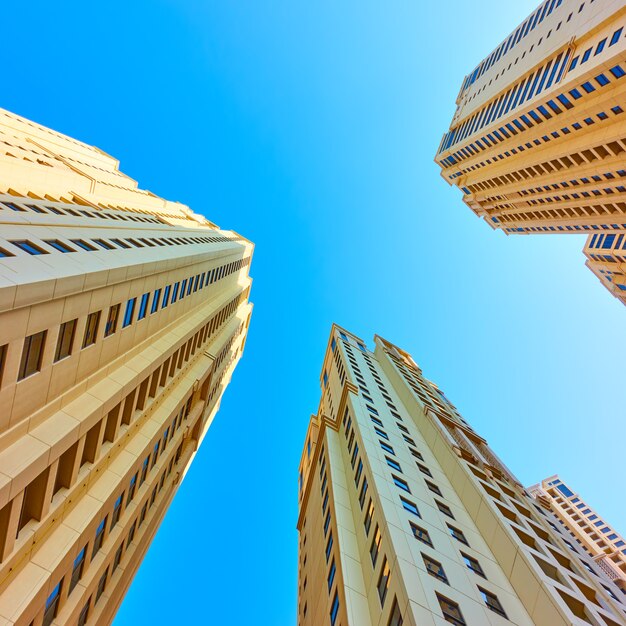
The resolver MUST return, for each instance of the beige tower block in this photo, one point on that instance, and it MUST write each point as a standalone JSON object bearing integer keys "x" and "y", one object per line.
{"x": 538, "y": 139}
{"x": 122, "y": 318}
{"x": 408, "y": 517}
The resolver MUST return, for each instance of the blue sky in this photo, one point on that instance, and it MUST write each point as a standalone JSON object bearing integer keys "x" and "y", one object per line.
{"x": 310, "y": 128}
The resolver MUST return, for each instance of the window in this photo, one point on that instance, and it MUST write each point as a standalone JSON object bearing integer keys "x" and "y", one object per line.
{"x": 111, "y": 325}
{"x": 97, "y": 543}
{"x": 81, "y": 243}
{"x": 143, "y": 306}
{"x": 368, "y": 517}
{"x": 331, "y": 575}
{"x": 492, "y": 601}
{"x": 166, "y": 296}
{"x": 451, "y": 611}
{"x": 383, "y": 582}
{"x": 117, "y": 510}
{"x": 65, "y": 340}
{"x": 131, "y": 533}
{"x": 329, "y": 546}
{"x": 395, "y": 617}
{"x": 129, "y": 312}
{"x": 393, "y": 464}
{"x": 91, "y": 329}
{"x": 5, "y": 253}
{"x": 386, "y": 447}
{"x": 363, "y": 492}
{"x": 3, "y": 358}
{"x": 375, "y": 547}
{"x": 424, "y": 469}
{"x": 421, "y": 534}
{"x": 102, "y": 583}
{"x": 155, "y": 301}
{"x": 444, "y": 508}
{"x": 77, "y": 570}
{"x": 131, "y": 489}
{"x": 84, "y": 614}
{"x": 334, "y": 609}
{"x": 52, "y": 605}
{"x": 434, "y": 488}
{"x": 457, "y": 534}
{"x": 473, "y": 564}
{"x": 59, "y": 245}
{"x": 401, "y": 483}
{"x": 411, "y": 507}
{"x": 434, "y": 568}
{"x": 381, "y": 433}
{"x": 32, "y": 354}
{"x": 28, "y": 246}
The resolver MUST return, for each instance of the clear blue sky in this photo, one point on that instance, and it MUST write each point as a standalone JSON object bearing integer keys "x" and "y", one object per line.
{"x": 310, "y": 127}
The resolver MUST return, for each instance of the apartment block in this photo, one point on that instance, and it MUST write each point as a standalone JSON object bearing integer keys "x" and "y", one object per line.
{"x": 122, "y": 318}
{"x": 538, "y": 139}
{"x": 606, "y": 546}
{"x": 408, "y": 517}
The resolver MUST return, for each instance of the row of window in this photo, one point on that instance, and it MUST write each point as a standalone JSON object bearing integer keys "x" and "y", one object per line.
{"x": 73, "y": 245}
{"x": 556, "y": 105}
{"x": 26, "y": 206}
{"x": 111, "y": 427}
{"x": 34, "y": 345}
{"x": 513, "y": 39}
{"x": 85, "y": 556}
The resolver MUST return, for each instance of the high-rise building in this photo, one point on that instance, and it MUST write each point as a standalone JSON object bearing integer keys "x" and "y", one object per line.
{"x": 538, "y": 140}
{"x": 408, "y": 517}
{"x": 606, "y": 546}
{"x": 122, "y": 317}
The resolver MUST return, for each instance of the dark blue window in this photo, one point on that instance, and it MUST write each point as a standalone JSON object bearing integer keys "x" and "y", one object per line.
{"x": 331, "y": 575}
{"x": 617, "y": 71}
{"x": 575, "y": 94}
{"x": 588, "y": 87}
{"x": 166, "y": 296}
{"x": 586, "y": 55}
{"x": 329, "y": 546}
{"x": 600, "y": 47}
{"x": 602, "y": 80}
{"x": 128, "y": 313}
{"x": 155, "y": 301}
{"x": 334, "y": 609}
{"x": 175, "y": 292}
{"x": 143, "y": 305}
{"x": 182, "y": 289}
{"x": 565, "y": 491}
{"x": 83, "y": 244}
{"x": 189, "y": 285}
{"x": 28, "y": 246}
{"x": 410, "y": 506}
{"x": 615, "y": 37}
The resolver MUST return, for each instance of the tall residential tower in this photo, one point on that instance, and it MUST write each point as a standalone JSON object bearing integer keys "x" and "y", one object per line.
{"x": 606, "y": 546}
{"x": 408, "y": 517}
{"x": 538, "y": 140}
{"x": 122, "y": 317}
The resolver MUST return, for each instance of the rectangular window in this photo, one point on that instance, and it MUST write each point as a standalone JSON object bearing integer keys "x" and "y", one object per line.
{"x": 375, "y": 547}
{"x": 102, "y": 583}
{"x": 97, "y": 543}
{"x": 434, "y": 488}
{"x": 473, "y": 564}
{"x": 117, "y": 510}
{"x": 334, "y": 609}
{"x": 59, "y": 245}
{"x": 411, "y": 507}
{"x": 434, "y": 568}
{"x": 91, "y": 329}
{"x": 331, "y": 575}
{"x": 444, "y": 508}
{"x": 166, "y": 296}
{"x": 84, "y": 614}
{"x": 451, "y": 611}
{"x": 77, "y": 570}
{"x": 3, "y": 358}
{"x": 29, "y": 246}
{"x": 394, "y": 464}
{"x": 52, "y": 605}
{"x": 329, "y": 546}
{"x": 129, "y": 312}
{"x": 424, "y": 469}
{"x": 395, "y": 617}
{"x": 457, "y": 534}
{"x": 421, "y": 534}
{"x": 386, "y": 447}
{"x": 368, "y": 517}
{"x": 492, "y": 602}
{"x": 155, "y": 301}
{"x": 401, "y": 483}
{"x": 65, "y": 340}
{"x": 381, "y": 433}
{"x": 383, "y": 582}
{"x": 363, "y": 493}
{"x": 111, "y": 325}
{"x": 175, "y": 292}
{"x": 143, "y": 306}
{"x": 32, "y": 353}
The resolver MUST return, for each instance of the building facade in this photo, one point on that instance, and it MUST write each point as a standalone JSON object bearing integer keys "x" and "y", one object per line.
{"x": 122, "y": 317}
{"x": 606, "y": 546}
{"x": 408, "y": 517}
{"x": 538, "y": 140}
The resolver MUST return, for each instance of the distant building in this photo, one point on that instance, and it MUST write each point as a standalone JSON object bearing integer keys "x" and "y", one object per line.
{"x": 122, "y": 317}
{"x": 408, "y": 517}
{"x": 606, "y": 546}
{"x": 538, "y": 140}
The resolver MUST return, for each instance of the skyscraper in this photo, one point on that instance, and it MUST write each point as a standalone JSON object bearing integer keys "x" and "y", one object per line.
{"x": 408, "y": 517}
{"x": 606, "y": 546}
{"x": 538, "y": 139}
{"x": 122, "y": 317}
